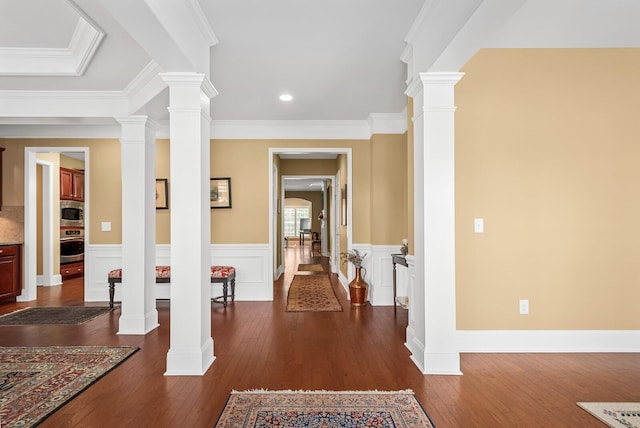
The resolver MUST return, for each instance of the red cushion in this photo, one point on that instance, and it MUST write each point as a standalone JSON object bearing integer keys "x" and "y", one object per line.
{"x": 165, "y": 272}
{"x": 222, "y": 271}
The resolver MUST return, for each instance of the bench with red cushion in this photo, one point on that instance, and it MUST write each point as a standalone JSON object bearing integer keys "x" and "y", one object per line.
{"x": 222, "y": 274}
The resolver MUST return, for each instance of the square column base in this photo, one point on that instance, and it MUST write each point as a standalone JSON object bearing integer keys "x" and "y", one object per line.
{"x": 190, "y": 361}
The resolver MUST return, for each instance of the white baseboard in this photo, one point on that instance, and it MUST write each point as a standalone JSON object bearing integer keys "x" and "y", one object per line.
{"x": 55, "y": 279}
{"x": 253, "y": 276}
{"x": 531, "y": 341}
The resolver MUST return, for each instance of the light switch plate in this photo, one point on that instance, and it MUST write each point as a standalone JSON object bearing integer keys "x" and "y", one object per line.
{"x": 478, "y": 225}
{"x": 106, "y": 226}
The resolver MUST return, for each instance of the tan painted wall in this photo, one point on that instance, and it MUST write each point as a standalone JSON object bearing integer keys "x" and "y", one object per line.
{"x": 104, "y": 180}
{"x": 246, "y": 162}
{"x": 343, "y": 229}
{"x": 389, "y": 179}
{"x": 163, "y": 170}
{"x": 308, "y": 166}
{"x": 56, "y": 160}
{"x": 547, "y": 153}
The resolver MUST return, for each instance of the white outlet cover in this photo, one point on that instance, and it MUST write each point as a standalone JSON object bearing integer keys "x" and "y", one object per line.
{"x": 106, "y": 226}
{"x": 524, "y": 307}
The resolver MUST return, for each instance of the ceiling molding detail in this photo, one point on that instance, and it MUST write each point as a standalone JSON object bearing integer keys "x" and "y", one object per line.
{"x": 145, "y": 86}
{"x": 291, "y": 129}
{"x": 69, "y": 61}
{"x": 202, "y": 22}
{"x": 388, "y": 123}
{"x": 79, "y": 104}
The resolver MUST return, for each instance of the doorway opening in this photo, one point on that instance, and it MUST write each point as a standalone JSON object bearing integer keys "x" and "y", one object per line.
{"x": 43, "y": 224}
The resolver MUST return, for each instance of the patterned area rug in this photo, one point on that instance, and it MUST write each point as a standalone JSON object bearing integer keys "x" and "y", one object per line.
{"x": 616, "y": 415}
{"x": 323, "y": 409}
{"x": 302, "y": 267}
{"x": 35, "y": 382}
{"x": 312, "y": 293}
{"x": 46, "y": 315}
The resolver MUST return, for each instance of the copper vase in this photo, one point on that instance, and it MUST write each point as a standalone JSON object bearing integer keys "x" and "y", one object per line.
{"x": 358, "y": 289}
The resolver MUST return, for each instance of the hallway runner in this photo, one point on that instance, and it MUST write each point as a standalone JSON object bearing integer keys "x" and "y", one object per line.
{"x": 349, "y": 409}
{"x": 312, "y": 293}
{"x": 304, "y": 267}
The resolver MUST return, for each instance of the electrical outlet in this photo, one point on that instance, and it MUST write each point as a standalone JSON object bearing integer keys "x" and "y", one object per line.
{"x": 106, "y": 226}
{"x": 524, "y": 307}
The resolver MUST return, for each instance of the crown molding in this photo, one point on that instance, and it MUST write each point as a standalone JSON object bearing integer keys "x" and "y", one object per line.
{"x": 69, "y": 61}
{"x": 291, "y": 129}
{"x": 80, "y": 104}
{"x": 202, "y": 22}
{"x": 388, "y": 123}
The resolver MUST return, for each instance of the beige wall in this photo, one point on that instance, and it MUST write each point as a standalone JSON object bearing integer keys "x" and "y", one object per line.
{"x": 163, "y": 170}
{"x": 104, "y": 180}
{"x": 389, "y": 179}
{"x": 547, "y": 153}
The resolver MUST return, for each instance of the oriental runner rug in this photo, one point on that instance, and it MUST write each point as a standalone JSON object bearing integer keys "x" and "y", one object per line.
{"x": 303, "y": 267}
{"x": 615, "y": 415}
{"x": 35, "y": 382}
{"x": 53, "y": 315}
{"x": 312, "y": 293}
{"x": 346, "y": 409}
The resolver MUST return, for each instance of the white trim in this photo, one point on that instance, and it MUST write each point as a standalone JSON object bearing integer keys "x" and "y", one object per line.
{"x": 69, "y": 61}
{"x": 530, "y": 341}
{"x": 291, "y": 129}
{"x": 388, "y": 123}
{"x": 308, "y": 150}
{"x": 253, "y": 280}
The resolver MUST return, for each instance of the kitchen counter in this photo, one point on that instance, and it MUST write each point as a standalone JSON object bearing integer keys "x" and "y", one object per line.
{"x": 11, "y": 243}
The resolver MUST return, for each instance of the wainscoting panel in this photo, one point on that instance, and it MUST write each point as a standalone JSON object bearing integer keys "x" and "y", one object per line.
{"x": 253, "y": 282}
{"x": 379, "y": 273}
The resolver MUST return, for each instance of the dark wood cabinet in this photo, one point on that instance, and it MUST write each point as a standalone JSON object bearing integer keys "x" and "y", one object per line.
{"x": 1, "y": 150}
{"x": 69, "y": 270}
{"x": 71, "y": 184}
{"x": 10, "y": 271}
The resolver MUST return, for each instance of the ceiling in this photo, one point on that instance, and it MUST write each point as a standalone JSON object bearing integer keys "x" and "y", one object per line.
{"x": 341, "y": 60}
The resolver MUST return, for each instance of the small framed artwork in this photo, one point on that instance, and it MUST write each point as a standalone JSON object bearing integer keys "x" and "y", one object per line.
{"x": 220, "y": 192}
{"x": 162, "y": 194}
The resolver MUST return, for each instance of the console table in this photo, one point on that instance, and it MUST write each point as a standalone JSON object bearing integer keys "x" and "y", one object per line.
{"x": 397, "y": 259}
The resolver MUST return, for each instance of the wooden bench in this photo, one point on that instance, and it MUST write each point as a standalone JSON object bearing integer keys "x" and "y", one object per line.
{"x": 221, "y": 274}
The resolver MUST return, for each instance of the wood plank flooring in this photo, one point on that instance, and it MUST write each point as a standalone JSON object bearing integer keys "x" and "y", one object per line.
{"x": 259, "y": 345}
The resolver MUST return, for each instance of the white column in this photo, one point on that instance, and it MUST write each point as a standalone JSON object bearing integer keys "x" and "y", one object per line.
{"x": 138, "y": 153}
{"x": 433, "y": 340}
{"x": 191, "y": 345}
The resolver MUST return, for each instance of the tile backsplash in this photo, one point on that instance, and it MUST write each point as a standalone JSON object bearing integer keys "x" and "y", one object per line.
{"x": 11, "y": 224}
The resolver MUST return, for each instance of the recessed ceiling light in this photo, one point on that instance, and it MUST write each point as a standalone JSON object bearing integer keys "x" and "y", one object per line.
{"x": 285, "y": 97}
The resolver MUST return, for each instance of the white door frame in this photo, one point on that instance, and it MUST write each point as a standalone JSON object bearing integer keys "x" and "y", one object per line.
{"x": 29, "y": 279}
{"x": 272, "y": 208}
{"x": 47, "y": 278}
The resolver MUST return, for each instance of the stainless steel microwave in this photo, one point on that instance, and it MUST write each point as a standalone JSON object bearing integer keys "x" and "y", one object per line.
{"x": 71, "y": 214}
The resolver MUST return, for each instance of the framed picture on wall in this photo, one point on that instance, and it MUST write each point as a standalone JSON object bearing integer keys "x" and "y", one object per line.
{"x": 220, "y": 192}
{"x": 162, "y": 194}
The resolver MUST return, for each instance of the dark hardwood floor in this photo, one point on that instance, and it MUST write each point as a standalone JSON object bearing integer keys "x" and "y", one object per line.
{"x": 259, "y": 345}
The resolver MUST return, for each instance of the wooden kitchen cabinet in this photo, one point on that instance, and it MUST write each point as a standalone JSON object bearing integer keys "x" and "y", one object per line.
{"x": 10, "y": 271}
{"x": 1, "y": 150}
{"x": 71, "y": 269}
{"x": 71, "y": 184}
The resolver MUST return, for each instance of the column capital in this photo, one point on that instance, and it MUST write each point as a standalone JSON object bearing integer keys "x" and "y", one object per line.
{"x": 138, "y": 128}
{"x": 186, "y": 79}
{"x": 422, "y": 80}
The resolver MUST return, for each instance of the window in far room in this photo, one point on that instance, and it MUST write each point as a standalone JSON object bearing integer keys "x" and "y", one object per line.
{"x": 294, "y": 210}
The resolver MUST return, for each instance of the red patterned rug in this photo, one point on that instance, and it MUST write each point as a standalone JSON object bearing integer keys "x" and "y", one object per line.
{"x": 347, "y": 409}
{"x": 35, "y": 382}
{"x": 312, "y": 293}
